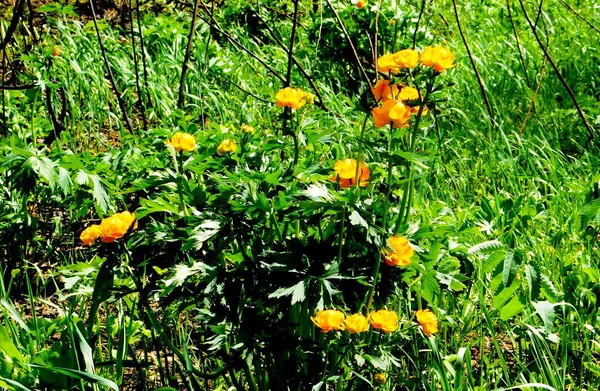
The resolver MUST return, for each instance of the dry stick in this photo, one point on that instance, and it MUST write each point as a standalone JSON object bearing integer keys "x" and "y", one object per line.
{"x": 537, "y": 17}
{"x": 19, "y": 6}
{"x": 481, "y": 86}
{"x": 186, "y": 58}
{"x": 417, "y": 26}
{"x": 512, "y": 22}
{"x": 109, "y": 71}
{"x": 143, "y": 55}
{"x": 337, "y": 16}
{"x": 218, "y": 28}
{"x": 531, "y": 104}
{"x": 31, "y": 25}
{"x": 580, "y": 16}
{"x": 296, "y": 62}
{"x": 137, "y": 72}
{"x": 288, "y": 75}
{"x": 560, "y": 76}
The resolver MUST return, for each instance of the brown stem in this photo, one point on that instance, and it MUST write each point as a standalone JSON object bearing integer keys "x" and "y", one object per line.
{"x": 186, "y": 58}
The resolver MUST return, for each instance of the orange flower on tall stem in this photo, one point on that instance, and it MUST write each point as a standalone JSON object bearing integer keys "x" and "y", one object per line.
{"x": 328, "y": 320}
{"x": 428, "y": 321}
{"x": 437, "y": 57}
{"x": 345, "y": 173}
{"x": 401, "y": 252}
{"x": 384, "y": 320}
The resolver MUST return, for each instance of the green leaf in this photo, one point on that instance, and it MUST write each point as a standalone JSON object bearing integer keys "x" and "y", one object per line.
{"x": 545, "y": 310}
{"x": 7, "y": 345}
{"x": 514, "y": 306}
{"x": 356, "y": 219}
{"x": 429, "y": 287}
{"x": 485, "y": 247}
{"x": 102, "y": 291}
{"x": 493, "y": 260}
{"x": 182, "y": 272}
{"x": 512, "y": 262}
{"x": 505, "y": 294}
{"x": 532, "y": 274}
{"x": 296, "y": 291}
{"x": 201, "y": 234}
{"x": 92, "y": 378}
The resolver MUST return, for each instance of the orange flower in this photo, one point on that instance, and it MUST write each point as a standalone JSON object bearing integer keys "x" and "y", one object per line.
{"x": 291, "y": 97}
{"x": 90, "y": 234}
{"x": 361, "y": 3}
{"x": 383, "y": 92}
{"x": 56, "y": 51}
{"x": 328, "y": 320}
{"x": 226, "y": 146}
{"x": 345, "y": 173}
{"x": 116, "y": 226}
{"x": 384, "y": 320}
{"x": 391, "y": 111}
{"x": 407, "y": 58}
{"x": 408, "y": 94}
{"x": 437, "y": 57}
{"x": 356, "y": 323}
{"x": 386, "y": 63}
{"x": 401, "y": 252}
{"x": 182, "y": 142}
{"x": 428, "y": 321}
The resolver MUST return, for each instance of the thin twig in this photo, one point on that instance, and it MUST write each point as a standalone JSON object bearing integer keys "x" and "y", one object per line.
{"x": 288, "y": 75}
{"x": 220, "y": 30}
{"x": 514, "y": 27}
{"x": 188, "y": 52}
{"x": 17, "y": 14}
{"x": 535, "y": 93}
{"x": 136, "y": 69}
{"x": 143, "y": 55}
{"x": 589, "y": 129}
{"x": 362, "y": 69}
{"x": 417, "y": 25}
{"x": 109, "y": 71}
{"x": 296, "y": 62}
{"x": 477, "y": 75}
{"x": 580, "y": 16}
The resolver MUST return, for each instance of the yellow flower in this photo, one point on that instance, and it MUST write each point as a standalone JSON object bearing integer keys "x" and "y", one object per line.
{"x": 328, "y": 320}
{"x": 437, "y": 57}
{"x": 383, "y": 92}
{"x": 247, "y": 129}
{"x": 291, "y": 97}
{"x": 408, "y": 94}
{"x": 428, "y": 321}
{"x": 182, "y": 142}
{"x": 379, "y": 379}
{"x": 401, "y": 252}
{"x": 384, "y": 320}
{"x": 361, "y": 3}
{"x": 116, "y": 226}
{"x": 226, "y": 146}
{"x": 345, "y": 173}
{"x": 386, "y": 63}
{"x": 407, "y": 58}
{"x": 356, "y": 323}
{"x": 90, "y": 234}
{"x": 56, "y": 51}
{"x": 310, "y": 97}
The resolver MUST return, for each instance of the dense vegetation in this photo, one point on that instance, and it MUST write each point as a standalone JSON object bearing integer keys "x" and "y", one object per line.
{"x": 171, "y": 216}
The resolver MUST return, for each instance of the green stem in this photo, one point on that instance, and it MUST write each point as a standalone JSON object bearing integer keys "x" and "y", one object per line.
{"x": 180, "y": 179}
{"x": 341, "y": 241}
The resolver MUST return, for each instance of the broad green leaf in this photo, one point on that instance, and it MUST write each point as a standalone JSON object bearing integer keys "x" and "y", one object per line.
{"x": 92, "y": 378}
{"x": 429, "y": 287}
{"x": 514, "y": 306}
{"x": 545, "y": 310}
{"x": 485, "y": 247}
{"x": 512, "y": 262}
{"x": 505, "y": 294}
{"x": 14, "y": 314}
{"x": 493, "y": 260}
{"x": 182, "y": 272}
{"x": 102, "y": 290}
{"x": 532, "y": 274}
{"x": 7, "y": 345}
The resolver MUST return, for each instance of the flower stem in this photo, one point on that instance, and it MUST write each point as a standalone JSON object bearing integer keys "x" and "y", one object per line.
{"x": 180, "y": 179}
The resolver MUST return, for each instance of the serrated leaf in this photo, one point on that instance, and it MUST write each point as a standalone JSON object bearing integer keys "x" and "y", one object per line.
{"x": 545, "y": 310}
{"x": 318, "y": 193}
{"x": 548, "y": 288}
{"x": 377, "y": 362}
{"x": 296, "y": 291}
{"x": 485, "y": 247}
{"x": 99, "y": 193}
{"x": 532, "y": 274}
{"x": 493, "y": 260}
{"x": 449, "y": 265}
{"x": 182, "y": 272}
{"x": 514, "y": 307}
{"x": 360, "y": 361}
{"x": 356, "y": 219}
{"x": 510, "y": 267}
{"x": 201, "y": 234}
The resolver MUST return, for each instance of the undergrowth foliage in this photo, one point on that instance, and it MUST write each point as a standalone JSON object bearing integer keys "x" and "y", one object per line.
{"x": 306, "y": 195}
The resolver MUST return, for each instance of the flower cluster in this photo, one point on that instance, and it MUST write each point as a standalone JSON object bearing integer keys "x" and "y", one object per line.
{"x": 437, "y": 57}
{"x": 293, "y": 98}
{"x": 110, "y": 229}
{"x": 182, "y": 142}
{"x": 428, "y": 321}
{"x": 401, "y": 252}
{"x": 328, "y": 320}
{"x": 345, "y": 172}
